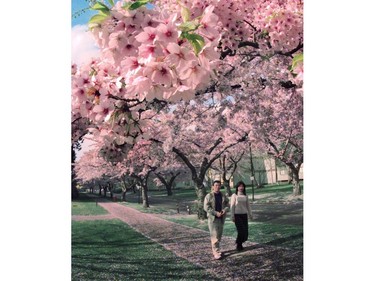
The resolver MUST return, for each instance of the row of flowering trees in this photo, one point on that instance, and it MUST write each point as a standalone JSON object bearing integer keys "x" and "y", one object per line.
{"x": 185, "y": 84}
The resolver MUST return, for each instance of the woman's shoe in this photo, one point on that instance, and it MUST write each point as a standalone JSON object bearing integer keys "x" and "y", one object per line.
{"x": 239, "y": 247}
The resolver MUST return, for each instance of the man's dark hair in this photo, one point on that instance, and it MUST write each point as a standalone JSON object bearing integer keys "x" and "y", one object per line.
{"x": 217, "y": 181}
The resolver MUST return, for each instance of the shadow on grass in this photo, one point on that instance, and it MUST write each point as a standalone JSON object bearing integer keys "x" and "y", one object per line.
{"x": 269, "y": 263}
{"x": 281, "y": 241}
{"x": 111, "y": 250}
{"x": 283, "y": 213}
{"x": 85, "y": 197}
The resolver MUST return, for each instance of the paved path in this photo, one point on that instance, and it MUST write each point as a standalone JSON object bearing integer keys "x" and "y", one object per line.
{"x": 257, "y": 262}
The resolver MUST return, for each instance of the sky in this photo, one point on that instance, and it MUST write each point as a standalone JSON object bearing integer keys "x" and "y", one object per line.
{"x": 83, "y": 46}
{"x": 81, "y": 17}
{"x": 35, "y": 143}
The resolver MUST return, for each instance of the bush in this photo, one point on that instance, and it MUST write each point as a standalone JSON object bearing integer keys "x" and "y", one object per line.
{"x": 117, "y": 189}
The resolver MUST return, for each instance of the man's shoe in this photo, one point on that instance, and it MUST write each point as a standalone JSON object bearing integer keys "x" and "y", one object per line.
{"x": 239, "y": 247}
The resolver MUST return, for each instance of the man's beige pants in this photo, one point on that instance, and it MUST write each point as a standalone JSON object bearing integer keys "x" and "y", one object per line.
{"x": 216, "y": 231}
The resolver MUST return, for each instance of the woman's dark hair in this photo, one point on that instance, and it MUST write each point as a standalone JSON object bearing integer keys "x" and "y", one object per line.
{"x": 244, "y": 187}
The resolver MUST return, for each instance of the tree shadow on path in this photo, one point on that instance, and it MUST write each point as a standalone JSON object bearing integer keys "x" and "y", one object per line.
{"x": 257, "y": 261}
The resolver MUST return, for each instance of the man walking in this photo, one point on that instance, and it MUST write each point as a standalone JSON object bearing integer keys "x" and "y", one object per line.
{"x": 216, "y": 204}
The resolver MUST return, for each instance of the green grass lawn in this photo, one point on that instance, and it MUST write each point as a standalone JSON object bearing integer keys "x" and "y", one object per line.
{"x": 160, "y": 203}
{"x": 288, "y": 236}
{"x": 284, "y": 235}
{"x": 164, "y": 209}
{"x": 272, "y": 192}
{"x": 111, "y": 250}
{"x": 189, "y": 194}
{"x": 86, "y": 206}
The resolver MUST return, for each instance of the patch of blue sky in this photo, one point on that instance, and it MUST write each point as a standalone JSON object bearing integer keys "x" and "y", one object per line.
{"x": 81, "y": 12}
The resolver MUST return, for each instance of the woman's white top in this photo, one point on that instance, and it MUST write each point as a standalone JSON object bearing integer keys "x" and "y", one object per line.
{"x": 240, "y": 204}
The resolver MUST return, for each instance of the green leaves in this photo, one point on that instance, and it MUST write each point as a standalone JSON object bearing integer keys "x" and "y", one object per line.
{"x": 296, "y": 60}
{"x": 101, "y": 8}
{"x": 104, "y": 12}
{"x": 195, "y": 40}
{"x": 96, "y": 20}
{"x": 189, "y": 26}
{"x": 135, "y": 5}
{"x": 185, "y": 14}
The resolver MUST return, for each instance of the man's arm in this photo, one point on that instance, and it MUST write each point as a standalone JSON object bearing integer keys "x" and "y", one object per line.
{"x": 207, "y": 205}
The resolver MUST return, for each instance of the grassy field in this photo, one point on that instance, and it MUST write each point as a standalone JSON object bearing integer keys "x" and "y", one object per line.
{"x": 86, "y": 206}
{"x": 272, "y": 232}
{"x": 111, "y": 250}
{"x": 160, "y": 203}
{"x": 263, "y": 230}
{"x": 288, "y": 236}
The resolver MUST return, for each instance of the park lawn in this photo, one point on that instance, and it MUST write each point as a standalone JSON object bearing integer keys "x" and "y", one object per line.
{"x": 283, "y": 235}
{"x": 288, "y": 236}
{"x": 272, "y": 193}
{"x": 86, "y": 206}
{"x": 177, "y": 194}
{"x": 111, "y": 250}
{"x": 160, "y": 203}
{"x": 159, "y": 208}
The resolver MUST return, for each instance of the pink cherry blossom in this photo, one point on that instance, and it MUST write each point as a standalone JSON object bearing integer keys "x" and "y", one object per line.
{"x": 179, "y": 56}
{"x": 167, "y": 33}
{"x": 147, "y": 36}
{"x": 192, "y": 74}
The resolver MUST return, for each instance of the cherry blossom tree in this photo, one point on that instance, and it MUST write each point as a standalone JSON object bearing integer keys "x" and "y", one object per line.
{"x": 244, "y": 57}
{"x": 93, "y": 168}
{"x": 168, "y": 170}
{"x": 273, "y": 108}
{"x": 227, "y": 165}
{"x": 172, "y": 51}
{"x": 198, "y": 134}
{"x": 139, "y": 163}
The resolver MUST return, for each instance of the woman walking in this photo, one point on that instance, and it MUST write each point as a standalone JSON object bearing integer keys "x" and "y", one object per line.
{"x": 241, "y": 212}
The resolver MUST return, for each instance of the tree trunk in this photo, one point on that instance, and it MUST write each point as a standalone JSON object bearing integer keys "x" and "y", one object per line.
{"x": 252, "y": 171}
{"x": 111, "y": 190}
{"x": 145, "y": 197}
{"x": 296, "y": 187}
{"x": 294, "y": 171}
{"x": 290, "y": 175}
{"x": 296, "y": 183}
{"x": 201, "y": 194}
{"x": 277, "y": 178}
{"x": 169, "y": 189}
{"x": 227, "y": 187}
{"x": 124, "y": 195}
{"x": 167, "y": 183}
{"x": 75, "y": 193}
